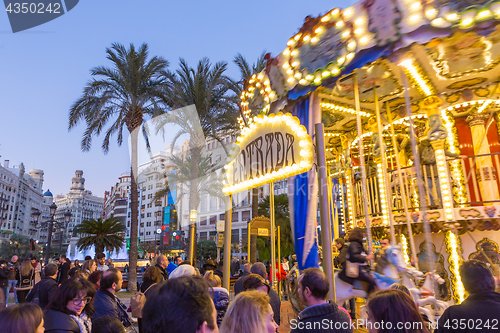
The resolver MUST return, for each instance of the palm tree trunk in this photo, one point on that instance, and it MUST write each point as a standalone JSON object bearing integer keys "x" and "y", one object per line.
{"x": 253, "y": 239}
{"x": 194, "y": 200}
{"x": 132, "y": 275}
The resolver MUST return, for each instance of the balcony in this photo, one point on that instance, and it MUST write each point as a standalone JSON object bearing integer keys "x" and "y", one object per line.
{"x": 473, "y": 182}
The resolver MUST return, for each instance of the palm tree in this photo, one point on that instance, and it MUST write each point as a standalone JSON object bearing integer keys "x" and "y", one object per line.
{"x": 102, "y": 234}
{"x": 123, "y": 95}
{"x": 246, "y": 71}
{"x": 205, "y": 107}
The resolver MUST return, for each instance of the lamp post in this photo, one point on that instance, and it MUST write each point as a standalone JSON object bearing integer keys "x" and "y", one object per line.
{"x": 50, "y": 223}
{"x": 193, "y": 215}
{"x": 67, "y": 217}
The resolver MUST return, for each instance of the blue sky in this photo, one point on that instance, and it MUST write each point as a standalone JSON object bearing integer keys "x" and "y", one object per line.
{"x": 43, "y": 70}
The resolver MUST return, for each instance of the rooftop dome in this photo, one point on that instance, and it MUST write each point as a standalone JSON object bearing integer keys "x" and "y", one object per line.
{"x": 48, "y": 194}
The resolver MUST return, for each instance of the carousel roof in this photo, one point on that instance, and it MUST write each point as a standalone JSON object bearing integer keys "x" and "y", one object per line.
{"x": 444, "y": 48}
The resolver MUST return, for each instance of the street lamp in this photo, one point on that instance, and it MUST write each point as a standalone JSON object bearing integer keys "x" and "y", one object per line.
{"x": 193, "y": 215}
{"x": 50, "y": 223}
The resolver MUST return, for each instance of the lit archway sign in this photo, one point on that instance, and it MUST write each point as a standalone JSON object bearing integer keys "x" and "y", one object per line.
{"x": 274, "y": 147}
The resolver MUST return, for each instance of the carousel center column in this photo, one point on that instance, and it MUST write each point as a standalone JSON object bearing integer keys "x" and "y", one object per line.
{"x": 437, "y": 134}
{"x": 486, "y": 174}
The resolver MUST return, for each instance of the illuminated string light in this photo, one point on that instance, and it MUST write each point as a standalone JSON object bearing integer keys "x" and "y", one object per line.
{"x": 416, "y": 75}
{"x": 452, "y": 246}
{"x": 404, "y": 246}
{"x": 342, "y": 109}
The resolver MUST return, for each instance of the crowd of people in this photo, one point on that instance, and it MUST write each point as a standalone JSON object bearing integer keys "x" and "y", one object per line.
{"x": 177, "y": 297}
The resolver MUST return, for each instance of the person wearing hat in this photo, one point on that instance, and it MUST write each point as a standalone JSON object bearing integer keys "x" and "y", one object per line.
{"x": 211, "y": 265}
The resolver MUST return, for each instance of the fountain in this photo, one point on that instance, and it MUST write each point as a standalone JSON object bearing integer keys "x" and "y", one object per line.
{"x": 72, "y": 253}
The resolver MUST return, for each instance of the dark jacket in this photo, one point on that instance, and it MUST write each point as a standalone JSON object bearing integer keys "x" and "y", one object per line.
{"x": 339, "y": 261}
{"x": 4, "y": 277}
{"x": 58, "y": 322}
{"x": 163, "y": 271}
{"x": 25, "y": 282}
{"x": 354, "y": 253}
{"x": 13, "y": 269}
{"x": 45, "y": 289}
{"x": 63, "y": 273}
{"x": 318, "y": 315}
{"x": 238, "y": 285}
{"x": 219, "y": 273}
{"x": 276, "y": 305}
{"x": 480, "y": 307}
{"x": 106, "y": 304}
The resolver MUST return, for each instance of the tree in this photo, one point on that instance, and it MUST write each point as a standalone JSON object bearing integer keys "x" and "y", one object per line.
{"x": 207, "y": 249}
{"x": 282, "y": 219}
{"x": 18, "y": 245}
{"x": 101, "y": 234}
{"x": 124, "y": 95}
{"x": 246, "y": 71}
{"x": 205, "y": 107}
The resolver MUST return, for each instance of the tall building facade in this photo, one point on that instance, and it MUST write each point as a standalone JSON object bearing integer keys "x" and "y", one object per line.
{"x": 20, "y": 194}
{"x": 80, "y": 202}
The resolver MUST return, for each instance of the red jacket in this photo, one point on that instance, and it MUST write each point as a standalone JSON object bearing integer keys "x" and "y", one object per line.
{"x": 281, "y": 274}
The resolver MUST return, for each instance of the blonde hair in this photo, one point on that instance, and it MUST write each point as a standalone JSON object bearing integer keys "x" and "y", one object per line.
{"x": 87, "y": 267}
{"x": 213, "y": 280}
{"x": 247, "y": 313}
{"x": 26, "y": 267}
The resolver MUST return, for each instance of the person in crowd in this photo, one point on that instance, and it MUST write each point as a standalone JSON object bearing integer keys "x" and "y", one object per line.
{"x": 4, "y": 283}
{"x": 394, "y": 307}
{"x": 280, "y": 272}
{"x": 233, "y": 268}
{"x": 403, "y": 288}
{"x": 184, "y": 269}
{"x": 88, "y": 258}
{"x": 219, "y": 270}
{"x": 238, "y": 285}
{"x": 88, "y": 267}
{"x": 250, "y": 311}
{"x": 260, "y": 269}
{"x": 162, "y": 264}
{"x": 13, "y": 266}
{"x": 99, "y": 258}
{"x": 152, "y": 276}
{"x": 174, "y": 264}
{"x": 109, "y": 263}
{"x": 481, "y": 306}
{"x": 293, "y": 261}
{"x": 77, "y": 264}
{"x": 95, "y": 278}
{"x": 75, "y": 272}
{"x": 106, "y": 303}
{"x": 46, "y": 288}
{"x": 380, "y": 256}
{"x": 285, "y": 265}
{"x": 25, "y": 277}
{"x": 71, "y": 308}
{"x": 38, "y": 269}
{"x": 181, "y": 305}
{"x": 357, "y": 254}
{"x": 256, "y": 282}
{"x": 339, "y": 262}
{"x": 25, "y": 318}
{"x": 107, "y": 324}
{"x": 210, "y": 265}
{"x": 220, "y": 295}
{"x": 313, "y": 289}
{"x": 64, "y": 267}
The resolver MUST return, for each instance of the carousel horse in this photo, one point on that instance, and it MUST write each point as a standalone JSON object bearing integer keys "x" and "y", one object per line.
{"x": 394, "y": 265}
{"x": 424, "y": 295}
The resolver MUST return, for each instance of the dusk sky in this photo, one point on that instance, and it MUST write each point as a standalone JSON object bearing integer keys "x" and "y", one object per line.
{"x": 44, "y": 69}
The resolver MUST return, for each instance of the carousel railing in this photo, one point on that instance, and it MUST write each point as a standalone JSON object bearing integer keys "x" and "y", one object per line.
{"x": 472, "y": 188}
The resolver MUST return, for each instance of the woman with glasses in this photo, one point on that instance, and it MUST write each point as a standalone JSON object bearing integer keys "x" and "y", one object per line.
{"x": 71, "y": 308}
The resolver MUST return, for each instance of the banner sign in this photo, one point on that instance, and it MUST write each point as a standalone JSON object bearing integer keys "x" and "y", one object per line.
{"x": 274, "y": 147}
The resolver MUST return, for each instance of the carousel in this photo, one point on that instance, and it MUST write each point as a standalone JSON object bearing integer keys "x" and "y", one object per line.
{"x": 408, "y": 95}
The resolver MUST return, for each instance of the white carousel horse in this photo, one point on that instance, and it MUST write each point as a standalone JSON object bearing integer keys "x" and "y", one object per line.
{"x": 396, "y": 265}
{"x": 424, "y": 295}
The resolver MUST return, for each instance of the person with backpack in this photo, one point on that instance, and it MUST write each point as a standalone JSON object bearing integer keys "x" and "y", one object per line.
{"x": 43, "y": 292}
{"x": 25, "y": 277}
{"x": 152, "y": 277}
